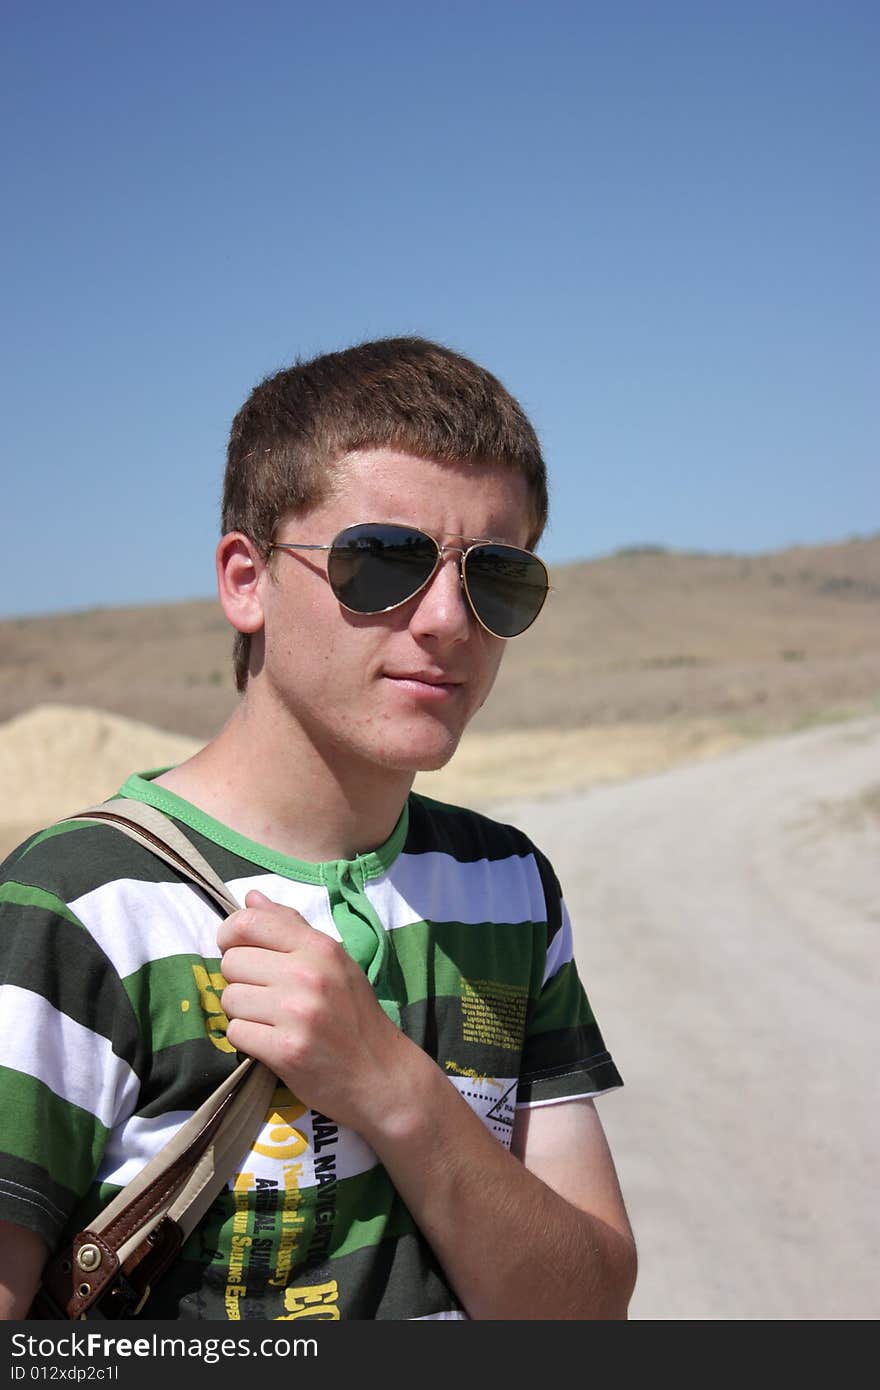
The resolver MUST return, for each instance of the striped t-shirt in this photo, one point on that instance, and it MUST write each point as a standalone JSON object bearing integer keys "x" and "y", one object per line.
{"x": 112, "y": 1033}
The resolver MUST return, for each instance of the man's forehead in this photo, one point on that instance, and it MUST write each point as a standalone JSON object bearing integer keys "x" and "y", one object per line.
{"x": 382, "y": 464}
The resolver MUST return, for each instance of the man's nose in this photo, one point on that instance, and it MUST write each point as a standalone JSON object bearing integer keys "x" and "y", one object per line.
{"x": 442, "y": 610}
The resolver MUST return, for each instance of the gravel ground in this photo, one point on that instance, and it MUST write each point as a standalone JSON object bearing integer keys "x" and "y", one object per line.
{"x": 726, "y": 916}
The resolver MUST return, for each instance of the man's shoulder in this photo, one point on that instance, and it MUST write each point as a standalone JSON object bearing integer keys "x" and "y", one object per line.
{"x": 466, "y": 834}
{"x": 485, "y": 856}
{"x": 71, "y": 858}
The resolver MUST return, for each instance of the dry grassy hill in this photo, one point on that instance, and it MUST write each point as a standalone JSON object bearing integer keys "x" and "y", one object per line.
{"x": 643, "y": 660}
{"x": 643, "y": 636}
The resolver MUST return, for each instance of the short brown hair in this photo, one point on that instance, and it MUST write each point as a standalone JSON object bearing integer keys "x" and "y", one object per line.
{"x": 402, "y": 393}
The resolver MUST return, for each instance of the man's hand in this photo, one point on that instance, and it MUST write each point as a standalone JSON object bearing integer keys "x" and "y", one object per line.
{"x": 298, "y": 1002}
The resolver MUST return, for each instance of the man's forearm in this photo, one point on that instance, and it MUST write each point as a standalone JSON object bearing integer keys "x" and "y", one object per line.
{"x": 23, "y": 1257}
{"x": 510, "y": 1245}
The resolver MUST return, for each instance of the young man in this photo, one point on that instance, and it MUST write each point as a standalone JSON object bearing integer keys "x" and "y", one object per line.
{"x": 404, "y": 967}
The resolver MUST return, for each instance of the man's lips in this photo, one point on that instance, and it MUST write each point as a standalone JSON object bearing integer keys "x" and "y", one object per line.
{"x": 435, "y": 682}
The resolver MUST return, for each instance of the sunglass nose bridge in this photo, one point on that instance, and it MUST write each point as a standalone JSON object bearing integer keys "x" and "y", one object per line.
{"x": 460, "y": 551}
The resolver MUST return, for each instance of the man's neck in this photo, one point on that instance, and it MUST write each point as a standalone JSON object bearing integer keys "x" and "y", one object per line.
{"x": 264, "y": 778}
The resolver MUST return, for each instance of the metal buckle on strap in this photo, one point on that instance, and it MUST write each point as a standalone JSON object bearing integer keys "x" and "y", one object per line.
{"x": 119, "y": 1300}
{"x": 142, "y": 1300}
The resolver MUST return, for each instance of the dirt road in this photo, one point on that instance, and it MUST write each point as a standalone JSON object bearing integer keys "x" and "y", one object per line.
{"x": 726, "y": 923}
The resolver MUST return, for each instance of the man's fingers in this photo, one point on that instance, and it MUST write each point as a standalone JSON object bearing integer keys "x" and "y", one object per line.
{"x": 263, "y": 923}
{"x": 249, "y": 965}
{"x": 253, "y": 1039}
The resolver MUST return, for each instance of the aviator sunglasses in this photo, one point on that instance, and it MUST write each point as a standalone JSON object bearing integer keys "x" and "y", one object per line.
{"x": 378, "y": 565}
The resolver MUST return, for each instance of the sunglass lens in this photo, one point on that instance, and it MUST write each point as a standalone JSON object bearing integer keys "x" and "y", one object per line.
{"x": 374, "y": 567}
{"x": 507, "y": 587}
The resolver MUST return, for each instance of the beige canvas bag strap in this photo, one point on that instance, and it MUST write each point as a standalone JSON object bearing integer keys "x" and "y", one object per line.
{"x": 222, "y": 1127}
{"x": 156, "y": 832}
{"x": 137, "y": 1235}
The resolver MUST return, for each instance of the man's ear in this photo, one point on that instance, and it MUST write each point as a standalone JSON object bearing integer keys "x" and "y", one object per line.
{"x": 240, "y": 567}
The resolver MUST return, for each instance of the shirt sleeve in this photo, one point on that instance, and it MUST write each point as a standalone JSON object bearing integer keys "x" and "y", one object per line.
{"x": 564, "y": 1054}
{"x": 67, "y": 1042}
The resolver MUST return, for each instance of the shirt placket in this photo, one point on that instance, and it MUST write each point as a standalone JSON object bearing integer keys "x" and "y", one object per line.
{"x": 362, "y": 931}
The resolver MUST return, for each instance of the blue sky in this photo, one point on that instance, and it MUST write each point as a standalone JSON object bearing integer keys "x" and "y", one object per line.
{"x": 657, "y": 223}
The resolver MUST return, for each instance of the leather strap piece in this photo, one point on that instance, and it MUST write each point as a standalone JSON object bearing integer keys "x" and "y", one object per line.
{"x": 109, "y": 1269}
{"x": 108, "y": 1290}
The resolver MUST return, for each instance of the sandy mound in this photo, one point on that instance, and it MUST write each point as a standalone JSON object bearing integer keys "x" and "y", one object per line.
{"x": 57, "y": 758}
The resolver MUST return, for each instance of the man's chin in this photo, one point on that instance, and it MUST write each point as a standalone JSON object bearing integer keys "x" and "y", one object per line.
{"x": 435, "y": 764}
{"x": 426, "y": 759}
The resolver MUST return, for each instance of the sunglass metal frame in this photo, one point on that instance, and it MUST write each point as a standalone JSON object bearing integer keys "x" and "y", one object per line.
{"x": 475, "y": 543}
